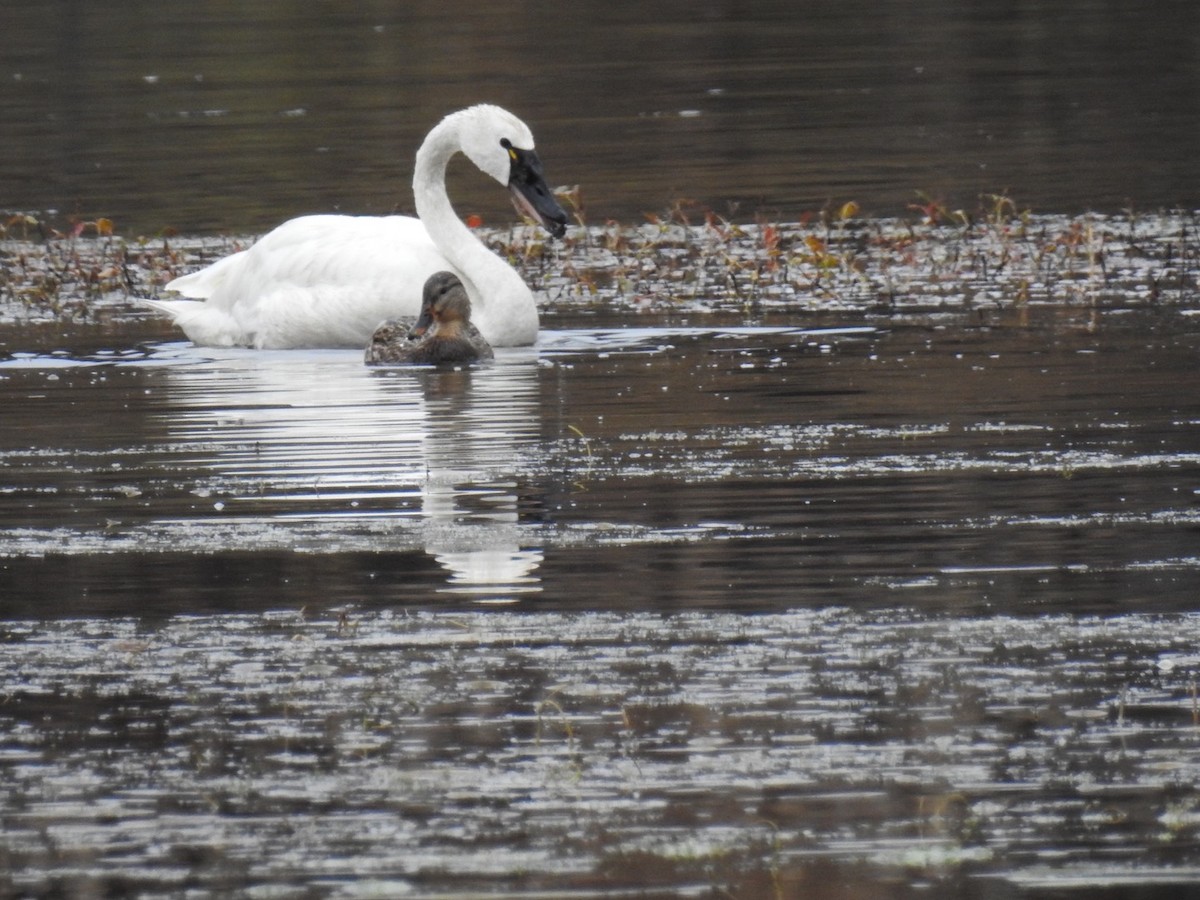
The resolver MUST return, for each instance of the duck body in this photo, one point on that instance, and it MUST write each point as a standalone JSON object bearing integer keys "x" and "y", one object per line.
{"x": 328, "y": 280}
{"x": 435, "y": 350}
{"x": 442, "y": 335}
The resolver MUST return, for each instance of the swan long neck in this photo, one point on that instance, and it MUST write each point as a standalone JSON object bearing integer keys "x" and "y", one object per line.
{"x": 482, "y": 271}
{"x": 502, "y": 305}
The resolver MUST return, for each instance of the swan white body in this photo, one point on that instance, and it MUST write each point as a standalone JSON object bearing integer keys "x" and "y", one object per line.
{"x": 328, "y": 280}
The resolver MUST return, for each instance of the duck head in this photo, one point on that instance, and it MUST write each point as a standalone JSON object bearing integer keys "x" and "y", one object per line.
{"x": 443, "y": 299}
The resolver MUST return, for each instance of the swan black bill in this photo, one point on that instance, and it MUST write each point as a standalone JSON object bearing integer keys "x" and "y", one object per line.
{"x": 527, "y": 183}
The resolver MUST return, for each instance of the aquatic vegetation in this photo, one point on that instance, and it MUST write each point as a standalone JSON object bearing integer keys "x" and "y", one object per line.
{"x": 83, "y": 270}
{"x": 999, "y": 256}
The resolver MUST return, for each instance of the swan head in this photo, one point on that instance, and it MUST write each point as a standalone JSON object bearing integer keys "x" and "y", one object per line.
{"x": 501, "y": 145}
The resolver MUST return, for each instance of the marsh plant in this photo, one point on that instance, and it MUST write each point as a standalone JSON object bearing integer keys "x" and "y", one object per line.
{"x": 690, "y": 258}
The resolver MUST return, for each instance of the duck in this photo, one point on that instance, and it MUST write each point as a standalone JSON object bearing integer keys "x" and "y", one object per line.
{"x": 327, "y": 281}
{"x": 443, "y": 333}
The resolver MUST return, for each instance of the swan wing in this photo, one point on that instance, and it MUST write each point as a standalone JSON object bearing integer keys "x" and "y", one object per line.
{"x": 316, "y": 281}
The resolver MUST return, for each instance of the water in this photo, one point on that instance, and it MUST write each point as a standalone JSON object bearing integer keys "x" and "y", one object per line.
{"x": 809, "y": 753}
{"x": 864, "y": 567}
{"x": 216, "y": 118}
{"x": 1016, "y": 465}
{"x": 688, "y": 607}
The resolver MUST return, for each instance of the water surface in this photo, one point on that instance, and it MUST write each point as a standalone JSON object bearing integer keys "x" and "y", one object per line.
{"x": 744, "y": 581}
{"x": 801, "y": 754}
{"x": 864, "y": 568}
{"x": 214, "y": 117}
{"x": 695, "y": 604}
{"x": 1044, "y": 463}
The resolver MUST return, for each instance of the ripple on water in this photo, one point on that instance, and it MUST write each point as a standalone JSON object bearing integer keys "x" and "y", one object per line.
{"x": 958, "y": 463}
{"x": 595, "y": 751}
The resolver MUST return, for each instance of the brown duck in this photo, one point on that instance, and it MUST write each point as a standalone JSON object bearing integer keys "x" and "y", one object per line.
{"x": 442, "y": 335}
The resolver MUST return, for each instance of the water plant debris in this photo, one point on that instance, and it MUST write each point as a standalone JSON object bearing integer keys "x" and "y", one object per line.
{"x": 694, "y": 260}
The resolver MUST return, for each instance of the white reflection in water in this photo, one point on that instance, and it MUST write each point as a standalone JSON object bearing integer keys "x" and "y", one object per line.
{"x": 318, "y": 436}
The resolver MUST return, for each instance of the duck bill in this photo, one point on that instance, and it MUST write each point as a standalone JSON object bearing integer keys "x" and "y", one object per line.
{"x": 527, "y": 184}
{"x": 424, "y": 321}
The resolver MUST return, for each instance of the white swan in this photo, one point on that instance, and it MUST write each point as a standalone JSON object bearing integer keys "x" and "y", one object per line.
{"x": 328, "y": 281}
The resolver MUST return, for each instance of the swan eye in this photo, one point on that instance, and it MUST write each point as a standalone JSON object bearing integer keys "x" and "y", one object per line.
{"x": 507, "y": 145}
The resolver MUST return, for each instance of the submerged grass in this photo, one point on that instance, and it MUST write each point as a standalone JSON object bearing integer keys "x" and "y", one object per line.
{"x": 998, "y": 256}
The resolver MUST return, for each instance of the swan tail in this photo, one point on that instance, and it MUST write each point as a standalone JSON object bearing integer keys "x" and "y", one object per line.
{"x": 203, "y": 324}
{"x": 207, "y": 281}
{"x": 178, "y": 310}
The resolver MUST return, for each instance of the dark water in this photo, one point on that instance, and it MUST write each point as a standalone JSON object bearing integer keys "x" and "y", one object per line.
{"x": 224, "y": 117}
{"x": 1021, "y": 464}
{"x": 808, "y": 754}
{"x": 692, "y": 609}
{"x": 876, "y": 582}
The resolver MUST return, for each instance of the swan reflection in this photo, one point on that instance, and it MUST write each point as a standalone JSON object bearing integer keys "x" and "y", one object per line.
{"x": 375, "y": 459}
